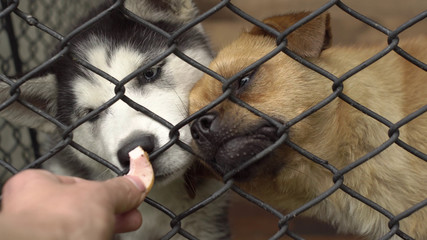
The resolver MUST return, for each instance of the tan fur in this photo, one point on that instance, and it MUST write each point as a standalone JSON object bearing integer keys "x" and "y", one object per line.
{"x": 338, "y": 133}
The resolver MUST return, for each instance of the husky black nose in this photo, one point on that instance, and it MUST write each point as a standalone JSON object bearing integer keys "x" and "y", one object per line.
{"x": 146, "y": 141}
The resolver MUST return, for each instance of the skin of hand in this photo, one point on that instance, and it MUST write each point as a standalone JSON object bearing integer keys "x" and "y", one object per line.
{"x": 37, "y": 204}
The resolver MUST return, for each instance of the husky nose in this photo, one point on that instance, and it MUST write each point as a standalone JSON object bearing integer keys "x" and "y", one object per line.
{"x": 202, "y": 128}
{"x": 146, "y": 141}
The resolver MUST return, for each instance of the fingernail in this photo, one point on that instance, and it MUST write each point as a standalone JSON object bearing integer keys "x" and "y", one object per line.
{"x": 137, "y": 182}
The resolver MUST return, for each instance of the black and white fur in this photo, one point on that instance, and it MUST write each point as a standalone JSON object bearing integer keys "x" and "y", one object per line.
{"x": 118, "y": 46}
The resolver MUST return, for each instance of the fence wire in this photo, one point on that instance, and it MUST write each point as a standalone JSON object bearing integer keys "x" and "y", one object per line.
{"x": 49, "y": 30}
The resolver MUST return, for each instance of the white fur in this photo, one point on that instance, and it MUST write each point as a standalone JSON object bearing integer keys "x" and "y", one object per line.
{"x": 169, "y": 103}
{"x": 119, "y": 121}
{"x": 167, "y": 97}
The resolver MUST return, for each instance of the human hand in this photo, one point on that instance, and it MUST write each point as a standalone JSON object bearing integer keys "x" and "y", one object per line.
{"x": 40, "y": 205}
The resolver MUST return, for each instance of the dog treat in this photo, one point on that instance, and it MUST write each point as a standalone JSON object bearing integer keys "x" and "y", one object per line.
{"x": 140, "y": 166}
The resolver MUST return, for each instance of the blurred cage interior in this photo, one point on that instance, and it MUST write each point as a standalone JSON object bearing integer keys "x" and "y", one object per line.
{"x": 23, "y": 47}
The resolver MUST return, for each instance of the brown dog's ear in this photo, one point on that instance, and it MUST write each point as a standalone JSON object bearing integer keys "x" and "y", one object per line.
{"x": 308, "y": 40}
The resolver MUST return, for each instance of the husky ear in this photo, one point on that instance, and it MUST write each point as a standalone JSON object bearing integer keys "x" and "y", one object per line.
{"x": 180, "y": 11}
{"x": 309, "y": 40}
{"x": 41, "y": 92}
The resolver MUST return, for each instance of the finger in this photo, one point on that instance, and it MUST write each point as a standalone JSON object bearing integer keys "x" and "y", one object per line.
{"x": 140, "y": 166}
{"x": 125, "y": 193}
{"x": 129, "y": 221}
{"x": 70, "y": 180}
{"x": 141, "y": 175}
{"x": 25, "y": 178}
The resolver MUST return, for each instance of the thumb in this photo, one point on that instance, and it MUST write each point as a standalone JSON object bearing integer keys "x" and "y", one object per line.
{"x": 129, "y": 191}
{"x": 125, "y": 193}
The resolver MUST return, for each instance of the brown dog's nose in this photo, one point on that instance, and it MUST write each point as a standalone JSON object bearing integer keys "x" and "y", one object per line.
{"x": 201, "y": 128}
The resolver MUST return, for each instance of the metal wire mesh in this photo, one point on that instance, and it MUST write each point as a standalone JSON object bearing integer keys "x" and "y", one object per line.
{"x": 31, "y": 36}
{"x": 23, "y": 48}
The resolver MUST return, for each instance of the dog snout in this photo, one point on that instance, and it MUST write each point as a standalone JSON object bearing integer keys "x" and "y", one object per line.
{"x": 146, "y": 141}
{"x": 202, "y": 128}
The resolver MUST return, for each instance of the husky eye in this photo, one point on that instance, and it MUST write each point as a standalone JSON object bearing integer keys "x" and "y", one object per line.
{"x": 149, "y": 75}
{"x": 94, "y": 118}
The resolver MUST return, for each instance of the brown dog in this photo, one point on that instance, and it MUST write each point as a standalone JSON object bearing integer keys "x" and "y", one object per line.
{"x": 229, "y": 135}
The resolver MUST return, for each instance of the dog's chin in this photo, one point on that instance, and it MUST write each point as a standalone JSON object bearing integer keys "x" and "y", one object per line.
{"x": 171, "y": 165}
{"x": 165, "y": 177}
{"x": 237, "y": 151}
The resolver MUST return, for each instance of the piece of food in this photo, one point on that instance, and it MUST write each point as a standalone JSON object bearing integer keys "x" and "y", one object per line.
{"x": 140, "y": 166}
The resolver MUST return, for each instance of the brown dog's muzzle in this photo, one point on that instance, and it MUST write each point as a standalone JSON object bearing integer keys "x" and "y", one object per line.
{"x": 224, "y": 146}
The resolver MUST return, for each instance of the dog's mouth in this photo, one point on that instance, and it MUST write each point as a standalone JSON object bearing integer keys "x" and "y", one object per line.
{"x": 165, "y": 170}
{"x": 238, "y": 150}
{"x": 161, "y": 176}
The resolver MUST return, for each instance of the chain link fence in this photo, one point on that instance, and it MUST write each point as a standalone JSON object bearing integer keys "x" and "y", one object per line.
{"x": 30, "y": 28}
{"x": 23, "y": 47}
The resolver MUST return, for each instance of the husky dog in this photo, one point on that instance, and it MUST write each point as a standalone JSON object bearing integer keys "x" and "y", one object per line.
{"x": 118, "y": 46}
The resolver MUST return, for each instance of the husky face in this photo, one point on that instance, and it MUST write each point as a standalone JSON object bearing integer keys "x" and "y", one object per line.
{"x": 162, "y": 89}
{"x": 119, "y": 46}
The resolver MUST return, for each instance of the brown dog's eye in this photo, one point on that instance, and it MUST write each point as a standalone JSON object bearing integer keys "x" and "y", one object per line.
{"x": 244, "y": 80}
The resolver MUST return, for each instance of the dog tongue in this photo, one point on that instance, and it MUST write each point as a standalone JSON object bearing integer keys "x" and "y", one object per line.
{"x": 140, "y": 166}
